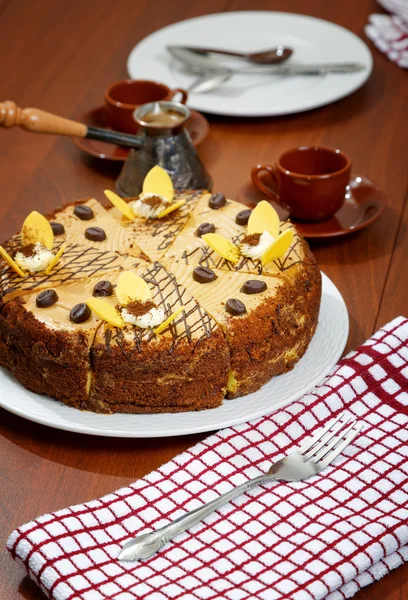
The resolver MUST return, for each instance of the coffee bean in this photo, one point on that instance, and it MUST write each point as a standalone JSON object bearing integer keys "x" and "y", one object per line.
{"x": 46, "y": 298}
{"x": 80, "y": 313}
{"x": 83, "y": 212}
{"x": 253, "y": 286}
{"x": 204, "y": 228}
{"x": 57, "y": 228}
{"x": 95, "y": 234}
{"x": 217, "y": 201}
{"x": 203, "y": 275}
{"x": 235, "y": 307}
{"x": 103, "y": 288}
{"x": 243, "y": 217}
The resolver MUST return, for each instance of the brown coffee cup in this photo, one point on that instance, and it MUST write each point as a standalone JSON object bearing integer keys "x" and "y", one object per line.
{"x": 123, "y": 97}
{"x": 308, "y": 181}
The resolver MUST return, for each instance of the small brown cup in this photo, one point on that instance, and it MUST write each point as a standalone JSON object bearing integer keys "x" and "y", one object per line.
{"x": 123, "y": 97}
{"x": 308, "y": 181}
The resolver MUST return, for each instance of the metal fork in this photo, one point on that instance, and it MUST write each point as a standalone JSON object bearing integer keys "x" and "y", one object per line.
{"x": 311, "y": 458}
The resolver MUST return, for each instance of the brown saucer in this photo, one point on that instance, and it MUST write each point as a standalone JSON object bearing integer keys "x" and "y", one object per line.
{"x": 364, "y": 203}
{"x": 197, "y": 126}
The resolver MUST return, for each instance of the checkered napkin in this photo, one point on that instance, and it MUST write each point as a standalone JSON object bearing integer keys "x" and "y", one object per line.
{"x": 390, "y": 32}
{"x": 326, "y": 537}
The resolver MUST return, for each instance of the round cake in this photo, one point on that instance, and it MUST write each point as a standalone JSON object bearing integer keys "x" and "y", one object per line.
{"x": 164, "y": 303}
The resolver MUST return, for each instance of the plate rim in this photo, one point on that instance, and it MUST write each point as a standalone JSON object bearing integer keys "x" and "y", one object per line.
{"x": 87, "y": 430}
{"x": 267, "y": 113}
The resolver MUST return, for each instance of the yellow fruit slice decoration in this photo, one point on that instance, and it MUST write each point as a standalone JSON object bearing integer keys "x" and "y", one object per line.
{"x": 132, "y": 287}
{"x": 159, "y": 182}
{"x": 105, "y": 311}
{"x": 11, "y": 263}
{"x": 171, "y": 208}
{"x": 278, "y": 248}
{"x": 167, "y": 322}
{"x": 120, "y": 204}
{"x": 35, "y": 229}
{"x": 264, "y": 218}
{"x": 223, "y": 246}
{"x": 55, "y": 260}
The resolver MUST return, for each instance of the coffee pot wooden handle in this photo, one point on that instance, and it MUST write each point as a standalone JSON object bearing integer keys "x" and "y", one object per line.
{"x": 39, "y": 121}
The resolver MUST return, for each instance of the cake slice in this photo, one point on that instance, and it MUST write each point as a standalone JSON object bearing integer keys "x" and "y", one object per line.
{"x": 46, "y": 350}
{"x": 185, "y": 367}
{"x": 268, "y": 321}
{"x": 155, "y": 236}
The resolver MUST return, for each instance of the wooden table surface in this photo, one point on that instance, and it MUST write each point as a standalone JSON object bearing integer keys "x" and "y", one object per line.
{"x": 60, "y": 56}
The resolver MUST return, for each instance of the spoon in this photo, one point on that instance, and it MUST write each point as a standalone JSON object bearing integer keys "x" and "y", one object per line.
{"x": 266, "y": 57}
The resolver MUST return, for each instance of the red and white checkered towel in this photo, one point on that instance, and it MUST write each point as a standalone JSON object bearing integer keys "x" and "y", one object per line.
{"x": 326, "y": 537}
{"x": 390, "y": 32}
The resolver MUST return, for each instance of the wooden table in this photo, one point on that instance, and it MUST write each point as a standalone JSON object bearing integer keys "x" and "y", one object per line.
{"x": 60, "y": 57}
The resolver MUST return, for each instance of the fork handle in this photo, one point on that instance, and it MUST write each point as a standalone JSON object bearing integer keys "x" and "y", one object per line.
{"x": 145, "y": 545}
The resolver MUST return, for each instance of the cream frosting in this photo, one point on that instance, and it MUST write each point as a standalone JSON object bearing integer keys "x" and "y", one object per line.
{"x": 35, "y": 262}
{"x": 141, "y": 209}
{"x": 257, "y": 251}
{"x": 151, "y": 318}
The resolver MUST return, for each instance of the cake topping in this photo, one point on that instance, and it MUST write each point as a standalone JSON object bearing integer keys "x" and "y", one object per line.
{"x": 171, "y": 208}
{"x": 57, "y": 228}
{"x": 243, "y": 216}
{"x": 35, "y": 229}
{"x": 95, "y": 234}
{"x": 158, "y": 183}
{"x": 143, "y": 314}
{"x": 253, "y": 286}
{"x": 203, "y": 275}
{"x": 224, "y": 247}
{"x": 264, "y": 218}
{"x": 120, "y": 204}
{"x": 255, "y": 245}
{"x": 11, "y": 262}
{"x": 55, "y": 260}
{"x": 80, "y": 313}
{"x": 103, "y": 288}
{"x": 235, "y": 307}
{"x": 167, "y": 322}
{"x": 278, "y": 247}
{"x": 46, "y": 298}
{"x": 149, "y": 206}
{"x": 204, "y": 228}
{"x": 132, "y": 287}
{"x": 83, "y": 212}
{"x": 217, "y": 201}
{"x": 103, "y": 310}
{"x": 34, "y": 257}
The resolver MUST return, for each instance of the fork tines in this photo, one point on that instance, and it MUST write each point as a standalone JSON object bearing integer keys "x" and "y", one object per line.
{"x": 329, "y": 443}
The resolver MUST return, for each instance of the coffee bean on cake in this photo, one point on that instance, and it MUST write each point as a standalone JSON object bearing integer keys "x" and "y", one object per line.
{"x": 83, "y": 212}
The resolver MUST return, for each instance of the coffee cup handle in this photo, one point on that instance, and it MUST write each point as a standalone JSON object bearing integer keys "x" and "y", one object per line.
{"x": 184, "y": 94}
{"x": 270, "y": 193}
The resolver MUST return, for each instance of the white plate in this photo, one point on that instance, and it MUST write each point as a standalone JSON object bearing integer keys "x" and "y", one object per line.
{"x": 324, "y": 351}
{"x": 313, "y": 40}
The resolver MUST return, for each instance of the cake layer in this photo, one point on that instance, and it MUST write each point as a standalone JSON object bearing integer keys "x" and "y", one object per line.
{"x": 183, "y": 368}
{"x": 155, "y": 236}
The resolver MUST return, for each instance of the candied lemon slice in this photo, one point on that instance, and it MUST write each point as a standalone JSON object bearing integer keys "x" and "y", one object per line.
{"x": 264, "y": 218}
{"x": 35, "y": 229}
{"x": 167, "y": 322}
{"x": 105, "y": 311}
{"x": 278, "y": 248}
{"x": 159, "y": 182}
{"x": 55, "y": 260}
{"x": 171, "y": 208}
{"x": 11, "y": 263}
{"x": 120, "y": 204}
{"x": 132, "y": 287}
{"x": 223, "y": 246}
